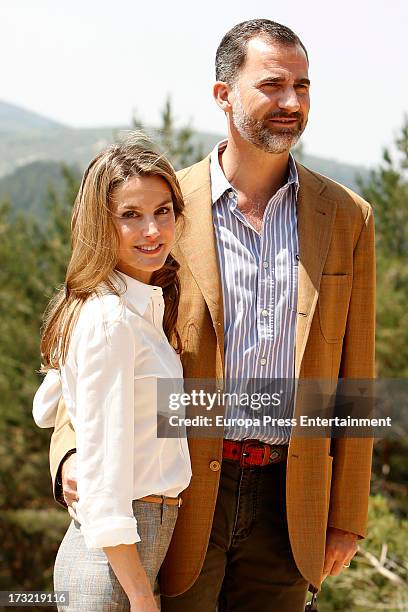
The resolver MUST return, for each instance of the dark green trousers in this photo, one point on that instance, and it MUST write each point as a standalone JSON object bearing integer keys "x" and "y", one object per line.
{"x": 249, "y": 565}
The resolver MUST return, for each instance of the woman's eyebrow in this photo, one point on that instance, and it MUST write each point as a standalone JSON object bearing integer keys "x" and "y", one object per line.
{"x": 129, "y": 205}
{"x": 168, "y": 200}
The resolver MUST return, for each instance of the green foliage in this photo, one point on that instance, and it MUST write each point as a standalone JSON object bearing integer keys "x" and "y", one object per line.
{"x": 365, "y": 586}
{"x": 179, "y": 145}
{"x": 378, "y": 576}
{"x": 34, "y": 254}
{"x": 390, "y": 473}
{"x": 34, "y": 257}
{"x": 387, "y": 190}
{"x": 27, "y": 193}
{"x": 30, "y": 540}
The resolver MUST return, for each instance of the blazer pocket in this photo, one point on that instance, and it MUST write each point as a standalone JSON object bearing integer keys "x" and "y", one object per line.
{"x": 333, "y": 303}
{"x": 190, "y": 337}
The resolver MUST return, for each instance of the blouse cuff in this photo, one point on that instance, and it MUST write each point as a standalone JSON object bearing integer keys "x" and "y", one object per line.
{"x": 112, "y": 531}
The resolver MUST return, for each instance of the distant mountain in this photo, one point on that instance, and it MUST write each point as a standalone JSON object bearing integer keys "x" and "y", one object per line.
{"x": 32, "y": 147}
{"x": 72, "y": 146}
{"x": 346, "y": 174}
{"x": 14, "y": 119}
{"x": 27, "y": 188}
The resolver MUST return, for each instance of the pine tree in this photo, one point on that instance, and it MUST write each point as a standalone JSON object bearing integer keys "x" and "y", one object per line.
{"x": 34, "y": 256}
{"x": 387, "y": 190}
{"x": 179, "y": 145}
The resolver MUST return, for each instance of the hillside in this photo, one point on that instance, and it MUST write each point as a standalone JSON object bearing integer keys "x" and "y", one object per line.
{"x": 28, "y": 187}
{"x": 32, "y": 147}
{"x": 58, "y": 145}
{"x": 14, "y": 119}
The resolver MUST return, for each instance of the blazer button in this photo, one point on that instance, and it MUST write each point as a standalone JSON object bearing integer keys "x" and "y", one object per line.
{"x": 215, "y": 466}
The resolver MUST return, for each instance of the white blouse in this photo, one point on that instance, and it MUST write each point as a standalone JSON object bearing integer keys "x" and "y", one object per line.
{"x": 117, "y": 352}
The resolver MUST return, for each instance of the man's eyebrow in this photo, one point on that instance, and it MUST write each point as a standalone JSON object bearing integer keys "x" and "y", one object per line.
{"x": 277, "y": 79}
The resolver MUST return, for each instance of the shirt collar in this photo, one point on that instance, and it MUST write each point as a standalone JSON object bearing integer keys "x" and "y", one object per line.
{"x": 138, "y": 294}
{"x": 219, "y": 182}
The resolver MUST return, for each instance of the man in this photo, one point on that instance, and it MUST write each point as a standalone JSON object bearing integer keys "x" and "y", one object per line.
{"x": 278, "y": 280}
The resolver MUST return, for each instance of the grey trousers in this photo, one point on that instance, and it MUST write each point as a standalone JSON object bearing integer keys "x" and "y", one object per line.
{"x": 86, "y": 574}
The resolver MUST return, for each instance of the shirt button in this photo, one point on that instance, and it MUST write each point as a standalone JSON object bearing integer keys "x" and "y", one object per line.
{"x": 230, "y": 193}
{"x": 215, "y": 466}
{"x": 297, "y": 256}
{"x": 265, "y": 312}
{"x": 263, "y": 361}
{"x": 265, "y": 264}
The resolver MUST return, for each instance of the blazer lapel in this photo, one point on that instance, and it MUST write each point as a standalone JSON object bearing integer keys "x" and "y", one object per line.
{"x": 316, "y": 216}
{"x": 196, "y": 240}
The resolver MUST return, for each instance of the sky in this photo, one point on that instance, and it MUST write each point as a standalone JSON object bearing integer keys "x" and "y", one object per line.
{"x": 89, "y": 63}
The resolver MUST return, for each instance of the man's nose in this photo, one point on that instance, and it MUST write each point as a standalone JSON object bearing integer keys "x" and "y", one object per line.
{"x": 288, "y": 100}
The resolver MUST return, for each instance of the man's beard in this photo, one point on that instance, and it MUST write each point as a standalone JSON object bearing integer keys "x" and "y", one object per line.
{"x": 262, "y": 133}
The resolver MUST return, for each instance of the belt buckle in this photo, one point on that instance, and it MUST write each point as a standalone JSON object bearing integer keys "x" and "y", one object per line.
{"x": 244, "y": 453}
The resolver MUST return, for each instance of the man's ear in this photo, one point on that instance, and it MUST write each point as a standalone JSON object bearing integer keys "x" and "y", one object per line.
{"x": 222, "y": 92}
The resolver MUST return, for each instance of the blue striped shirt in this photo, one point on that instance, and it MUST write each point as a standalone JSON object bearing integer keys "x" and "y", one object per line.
{"x": 259, "y": 274}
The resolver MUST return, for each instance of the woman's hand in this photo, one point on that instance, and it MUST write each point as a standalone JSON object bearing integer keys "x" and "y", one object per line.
{"x": 143, "y": 603}
{"x": 69, "y": 484}
{"x": 125, "y": 562}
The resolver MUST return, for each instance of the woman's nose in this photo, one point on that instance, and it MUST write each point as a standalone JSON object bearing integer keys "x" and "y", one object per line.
{"x": 151, "y": 230}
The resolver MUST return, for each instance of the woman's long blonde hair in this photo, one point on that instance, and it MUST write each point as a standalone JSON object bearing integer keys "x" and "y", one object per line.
{"x": 95, "y": 244}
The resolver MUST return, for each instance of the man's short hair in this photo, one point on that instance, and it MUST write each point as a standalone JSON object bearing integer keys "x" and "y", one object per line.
{"x": 231, "y": 52}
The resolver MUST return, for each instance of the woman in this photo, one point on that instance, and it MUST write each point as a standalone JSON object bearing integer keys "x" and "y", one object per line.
{"x": 109, "y": 333}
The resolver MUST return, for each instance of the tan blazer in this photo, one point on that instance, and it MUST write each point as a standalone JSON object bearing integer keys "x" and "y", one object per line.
{"x": 334, "y": 337}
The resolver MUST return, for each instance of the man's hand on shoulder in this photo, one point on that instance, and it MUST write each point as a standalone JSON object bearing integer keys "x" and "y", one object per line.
{"x": 69, "y": 484}
{"x": 341, "y": 546}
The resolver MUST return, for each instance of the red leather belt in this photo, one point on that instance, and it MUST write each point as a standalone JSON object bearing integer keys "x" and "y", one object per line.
{"x": 253, "y": 452}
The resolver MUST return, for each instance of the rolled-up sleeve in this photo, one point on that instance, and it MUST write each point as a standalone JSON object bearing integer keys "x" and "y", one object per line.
{"x": 46, "y": 399}
{"x": 105, "y": 356}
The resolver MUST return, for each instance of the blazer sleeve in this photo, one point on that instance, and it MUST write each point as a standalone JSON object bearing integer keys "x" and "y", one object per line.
{"x": 352, "y": 456}
{"x": 63, "y": 443}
